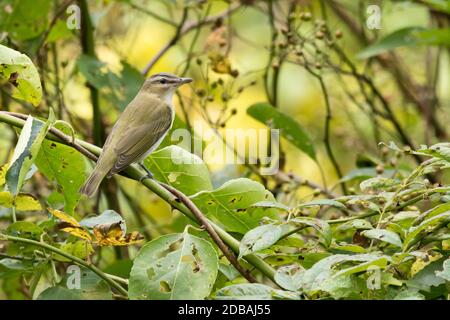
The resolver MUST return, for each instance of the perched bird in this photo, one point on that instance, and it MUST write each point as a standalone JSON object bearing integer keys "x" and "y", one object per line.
{"x": 139, "y": 130}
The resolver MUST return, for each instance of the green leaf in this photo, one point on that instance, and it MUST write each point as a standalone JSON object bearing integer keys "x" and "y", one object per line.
{"x": 289, "y": 128}
{"x": 427, "y": 226}
{"x": 321, "y": 226}
{"x": 260, "y": 238}
{"x": 253, "y": 291}
{"x": 289, "y": 277}
{"x": 17, "y": 69}
{"x": 383, "y": 235}
{"x": 409, "y": 294}
{"x": 64, "y": 165}
{"x": 27, "y": 148}
{"x": 24, "y": 19}
{"x": 445, "y": 273}
{"x": 409, "y": 36}
{"x": 22, "y": 202}
{"x": 440, "y": 5}
{"x": 231, "y": 204}
{"x": 314, "y": 277}
{"x": 92, "y": 287}
{"x": 180, "y": 169}
{"x": 322, "y": 202}
{"x": 117, "y": 89}
{"x": 60, "y": 31}
{"x": 174, "y": 266}
{"x": 358, "y": 224}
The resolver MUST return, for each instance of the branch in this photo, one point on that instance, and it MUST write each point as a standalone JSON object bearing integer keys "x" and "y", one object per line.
{"x": 182, "y": 29}
{"x": 78, "y": 261}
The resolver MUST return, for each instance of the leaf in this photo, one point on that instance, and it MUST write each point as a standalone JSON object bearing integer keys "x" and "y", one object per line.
{"x": 174, "y": 266}
{"x": 24, "y": 19}
{"x": 440, "y": 5}
{"x": 81, "y": 249}
{"x": 260, "y": 238}
{"x": 322, "y": 202}
{"x": 64, "y": 165}
{"x": 270, "y": 204}
{"x": 409, "y": 36}
{"x": 313, "y": 278}
{"x": 180, "y": 169}
{"x": 320, "y": 225}
{"x": 3, "y": 170}
{"x": 445, "y": 273}
{"x": 17, "y": 69}
{"x": 383, "y": 235}
{"x": 378, "y": 183}
{"x": 365, "y": 173}
{"x": 289, "y": 277}
{"x": 427, "y": 278}
{"x": 22, "y": 202}
{"x": 105, "y": 218}
{"x": 118, "y": 89}
{"x": 113, "y": 235}
{"x": 92, "y": 287}
{"x": 27, "y": 148}
{"x": 358, "y": 224}
{"x": 289, "y": 128}
{"x": 70, "y": 225}
{"x": 427, "y": 226}
{"x": 253, "y": 291}
{"x": 25, "y": 229}
{"x": 409, "y": 295}
{"x": 230, "y": 205}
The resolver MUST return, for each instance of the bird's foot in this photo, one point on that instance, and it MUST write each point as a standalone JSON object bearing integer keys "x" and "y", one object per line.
{"x": 149, "y": 173}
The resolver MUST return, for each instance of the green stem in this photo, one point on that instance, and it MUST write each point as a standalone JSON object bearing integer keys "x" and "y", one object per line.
{"x": 78, "y": 261}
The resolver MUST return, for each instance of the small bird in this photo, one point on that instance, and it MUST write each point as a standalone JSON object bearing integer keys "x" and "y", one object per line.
{"x": 139, "y": 130}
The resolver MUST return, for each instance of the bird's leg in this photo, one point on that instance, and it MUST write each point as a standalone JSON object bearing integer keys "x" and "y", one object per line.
{"x": 149, "y": 173}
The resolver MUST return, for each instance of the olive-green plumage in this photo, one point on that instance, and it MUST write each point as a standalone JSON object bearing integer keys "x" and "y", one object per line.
{"x": 139, "y": 130}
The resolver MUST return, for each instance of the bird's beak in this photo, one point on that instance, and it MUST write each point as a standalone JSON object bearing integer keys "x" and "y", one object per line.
{"x": 185, "y": 80}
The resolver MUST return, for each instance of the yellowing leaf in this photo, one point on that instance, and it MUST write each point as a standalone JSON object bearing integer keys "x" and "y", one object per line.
{"x": 6, "y": 199}
{"x": 64, "y": 217}
{"x": 70, "y": 225}
{"x": 112, "y": 235}
{"x": 420, "y": 263}
{"x": 3, "y": 170}
{"x": 27, "y": 202}
{"x": 23, "y": 201}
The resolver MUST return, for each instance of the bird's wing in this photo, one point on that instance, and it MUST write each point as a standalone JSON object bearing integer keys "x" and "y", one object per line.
{"x": 137, "y": 141}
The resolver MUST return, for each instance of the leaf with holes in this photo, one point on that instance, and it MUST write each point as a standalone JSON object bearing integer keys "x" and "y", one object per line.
{"x": 65, "y": 166}
{"x": 180, "y": 169}
{"x": 175, "y": 266}
{"x": 260, "y": 238}
{"x": 383, "y": 235}
{"x": 17, "y": 69}
{"x": 231, "y": 204}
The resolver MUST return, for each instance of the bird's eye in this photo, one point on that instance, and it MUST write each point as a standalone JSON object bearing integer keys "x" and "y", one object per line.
{"x": 163, "y": 81}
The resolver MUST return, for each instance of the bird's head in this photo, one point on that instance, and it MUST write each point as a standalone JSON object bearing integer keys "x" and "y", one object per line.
{"x": 164, "y": 84}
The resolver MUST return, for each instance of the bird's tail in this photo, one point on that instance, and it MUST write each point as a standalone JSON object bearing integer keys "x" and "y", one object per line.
{"x": 92, "y": 183}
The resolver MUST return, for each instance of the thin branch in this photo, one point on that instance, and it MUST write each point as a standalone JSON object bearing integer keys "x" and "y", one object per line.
{"x": 182, "y": 29}
{"x": 212, "y": 233}
{"x": 77, "y": 260}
